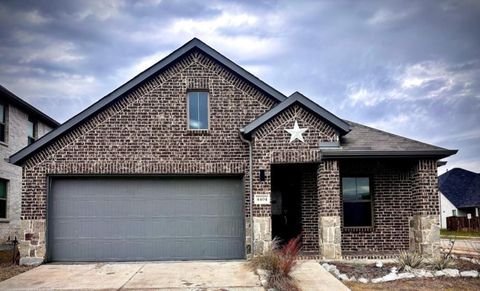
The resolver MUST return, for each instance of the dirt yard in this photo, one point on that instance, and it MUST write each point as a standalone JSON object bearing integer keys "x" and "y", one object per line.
{"x": 425, "y": 284}
{"x": 9, "y": 270}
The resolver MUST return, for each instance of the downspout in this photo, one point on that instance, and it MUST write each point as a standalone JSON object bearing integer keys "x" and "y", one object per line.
{"x": 250, "y": 186}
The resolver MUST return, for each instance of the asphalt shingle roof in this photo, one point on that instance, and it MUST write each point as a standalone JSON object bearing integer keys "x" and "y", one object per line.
{"x": 461, "y": 187}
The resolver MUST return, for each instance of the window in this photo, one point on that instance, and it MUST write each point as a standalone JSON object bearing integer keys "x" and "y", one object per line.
{"x": 357, "y": 201}
{"x": 32, "y": 130}
{"x": 3, "y": 126}
{"x": 3, "y": 199}
{"x": 198, "y": 110}
{"x": 454, "y": 212}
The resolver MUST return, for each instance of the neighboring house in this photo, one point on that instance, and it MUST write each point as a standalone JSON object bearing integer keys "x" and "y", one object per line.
{"x": 460, "y": 194}
{"x": 164, "y": 167}
{"x": 20, "y": 125}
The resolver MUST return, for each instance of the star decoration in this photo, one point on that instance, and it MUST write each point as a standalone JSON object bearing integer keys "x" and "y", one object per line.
{"x": 296, "y": 132}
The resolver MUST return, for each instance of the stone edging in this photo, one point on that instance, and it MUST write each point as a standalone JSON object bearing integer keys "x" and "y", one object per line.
{"x": 394, "y": 275}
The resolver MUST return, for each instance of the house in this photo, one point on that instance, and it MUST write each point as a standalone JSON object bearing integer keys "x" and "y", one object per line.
{"x": 20, "y": 125}
{"x": 460, "y": 194}
{"x": 195, "y": 158}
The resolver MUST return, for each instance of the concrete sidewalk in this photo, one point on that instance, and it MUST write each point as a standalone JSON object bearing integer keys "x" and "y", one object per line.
{"x": 231, "y": 275}
{"x": 196, "y": 275}
{"x": 312, "y": 276}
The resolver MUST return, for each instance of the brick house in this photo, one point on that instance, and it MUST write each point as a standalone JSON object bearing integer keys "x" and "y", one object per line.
{"x": 20, "y": 125}
{"x": 164, "y": 168}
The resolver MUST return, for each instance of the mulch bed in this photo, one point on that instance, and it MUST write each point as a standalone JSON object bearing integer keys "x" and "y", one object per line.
{"x": 423, "y": 284}
{"x": 9, "y": 270}
{"x": 358, "y": 270}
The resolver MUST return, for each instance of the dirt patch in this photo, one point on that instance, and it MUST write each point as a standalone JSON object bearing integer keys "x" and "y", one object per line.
{"x": 463, "y": 265}
{"x": 439, "y": 283}
{"x": 9, "y": 270}
{"x": 368, "y": 271}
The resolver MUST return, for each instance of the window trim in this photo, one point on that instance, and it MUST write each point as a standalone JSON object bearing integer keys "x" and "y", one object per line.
{"x": 5, "y": 219}
{"x": 188, "y": 110}
{"x": 372, "y": 201}
{"x": 34, "y": 121}
{"x": 5, "y": 123}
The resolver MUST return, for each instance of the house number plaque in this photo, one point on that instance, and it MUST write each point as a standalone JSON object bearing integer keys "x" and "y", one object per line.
{"x": 261, "y": 199}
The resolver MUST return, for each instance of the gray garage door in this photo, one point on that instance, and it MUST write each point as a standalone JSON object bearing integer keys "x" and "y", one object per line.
{"x": 130, "y": 219}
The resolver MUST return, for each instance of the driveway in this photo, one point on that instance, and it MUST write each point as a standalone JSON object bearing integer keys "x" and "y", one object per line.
{"x": 231, "y": 275}
{"x": 200, "y": 275}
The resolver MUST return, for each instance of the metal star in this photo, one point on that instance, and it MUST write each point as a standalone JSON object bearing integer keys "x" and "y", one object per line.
{"x": 296, "y": 132}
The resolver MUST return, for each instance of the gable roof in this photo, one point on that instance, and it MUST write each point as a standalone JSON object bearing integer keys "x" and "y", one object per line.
{"x": 27, "y": 107}
{"x": 461, "y": 187}
{"x": 295, "y": 98}
{"x": 195, "y": 43}
{"x": 364, "y": 141}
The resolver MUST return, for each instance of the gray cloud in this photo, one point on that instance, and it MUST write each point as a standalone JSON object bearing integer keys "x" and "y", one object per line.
{"x": 409, "y": 68}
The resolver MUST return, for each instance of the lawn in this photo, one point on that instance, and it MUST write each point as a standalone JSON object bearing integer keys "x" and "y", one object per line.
{"x": 424, "y": 284}
{"x": 9, "y": 270}
{"x": 452, "y": 234}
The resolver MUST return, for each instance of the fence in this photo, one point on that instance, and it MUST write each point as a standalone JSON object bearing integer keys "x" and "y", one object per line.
{"x": 463, "y": 223}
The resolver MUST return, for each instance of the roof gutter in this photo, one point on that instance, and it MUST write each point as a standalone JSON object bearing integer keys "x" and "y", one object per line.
{"x": 438, "y": 154}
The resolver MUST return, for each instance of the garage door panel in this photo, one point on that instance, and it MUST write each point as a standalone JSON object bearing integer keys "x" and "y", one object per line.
{"x": 109, "y": 219}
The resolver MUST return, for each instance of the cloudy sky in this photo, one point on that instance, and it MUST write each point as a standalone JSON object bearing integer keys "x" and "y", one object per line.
{"x": 408, "y": 67}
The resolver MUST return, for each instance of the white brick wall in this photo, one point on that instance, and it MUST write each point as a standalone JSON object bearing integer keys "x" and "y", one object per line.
{"x": 16, "y": 140}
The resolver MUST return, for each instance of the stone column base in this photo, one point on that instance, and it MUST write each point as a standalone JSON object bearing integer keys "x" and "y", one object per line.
{"x": 262, "y": 232}
{"x": 425, "y": 234}
{"x": 329, "y": 235}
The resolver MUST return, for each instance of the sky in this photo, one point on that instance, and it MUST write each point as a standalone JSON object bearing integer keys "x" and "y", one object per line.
{"x": 408, "y": 67}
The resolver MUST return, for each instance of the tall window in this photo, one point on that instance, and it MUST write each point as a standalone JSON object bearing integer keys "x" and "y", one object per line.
{"x": 3, "y": 199}
{"x": 3, "y": 126}
{"x": 197, "y": 110}
{"x": 32, "y": 130}
{"x": 357, "y": 201}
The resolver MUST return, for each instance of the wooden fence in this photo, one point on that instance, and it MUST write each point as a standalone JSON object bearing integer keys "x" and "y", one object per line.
{"x": 463, "y": 223}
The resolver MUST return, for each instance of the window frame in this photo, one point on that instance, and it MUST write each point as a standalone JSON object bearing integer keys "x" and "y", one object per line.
{"x": 4, "y": 122}
{"x": 371, "y": 200}
{"x": 188, "y": 110}
{"x": 454, "y": 212}
{"x": 5, "y": 199}
{"x": 32, "y": 139}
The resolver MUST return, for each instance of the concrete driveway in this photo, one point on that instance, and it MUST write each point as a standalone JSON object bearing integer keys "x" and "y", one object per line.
{"x": 218, "y": 275}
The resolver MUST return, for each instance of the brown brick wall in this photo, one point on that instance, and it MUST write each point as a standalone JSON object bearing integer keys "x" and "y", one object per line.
{"x": 395, "y": 198}
{"x": 309, "y": 210}
{"x": 272, "y": 146}
{"x": 146, "y": 132}
{"x": 328, "y": 187}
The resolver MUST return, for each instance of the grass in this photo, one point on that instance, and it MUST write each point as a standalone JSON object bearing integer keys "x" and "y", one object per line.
{"x": 451, "y": 234}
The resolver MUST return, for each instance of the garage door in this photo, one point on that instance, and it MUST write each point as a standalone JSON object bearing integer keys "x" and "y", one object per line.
{"x": 130, "y": 219}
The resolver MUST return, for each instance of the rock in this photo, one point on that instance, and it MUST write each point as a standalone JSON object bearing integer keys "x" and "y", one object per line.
{"x": 343, "y": 277}
{"x": 363, "y": 280}
{"x": 378, "y": 264}
{"x": 394, "y": 270}
{"x": 451, "y": 272}
{"x": 471, "y": 273}
{"x": 30, "y": 261}
{"x": 406, "y": 275}
{"x": 326, "y": 267}
{"x": 353, "y": 278}
{"x": 439, "y": 274}
{"x": 377, "y": 280}
{"x": 420, "y": 273}
{"x": 389, "y": 277}
{"x": 428, "y": 274}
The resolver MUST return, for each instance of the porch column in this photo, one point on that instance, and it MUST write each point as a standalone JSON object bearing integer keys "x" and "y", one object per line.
{"x": 329, "y": 209}
{"x": 424, "y": 223}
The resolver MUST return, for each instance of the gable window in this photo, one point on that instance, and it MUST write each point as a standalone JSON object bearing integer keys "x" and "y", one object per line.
{"x": 31, "y": 130}
{"x": 3, "y": 125}
{"x": 357, "y": 202}
{"x": 3, "y": 198}
{"x": 198, "y": 110}
{"x": 454, "y": 212}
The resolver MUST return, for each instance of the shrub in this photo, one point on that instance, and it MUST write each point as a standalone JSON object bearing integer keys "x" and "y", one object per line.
{"x": 279, "y": 262}
{"x": 408, "y": 260}
{"x": 441, "y": 262}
